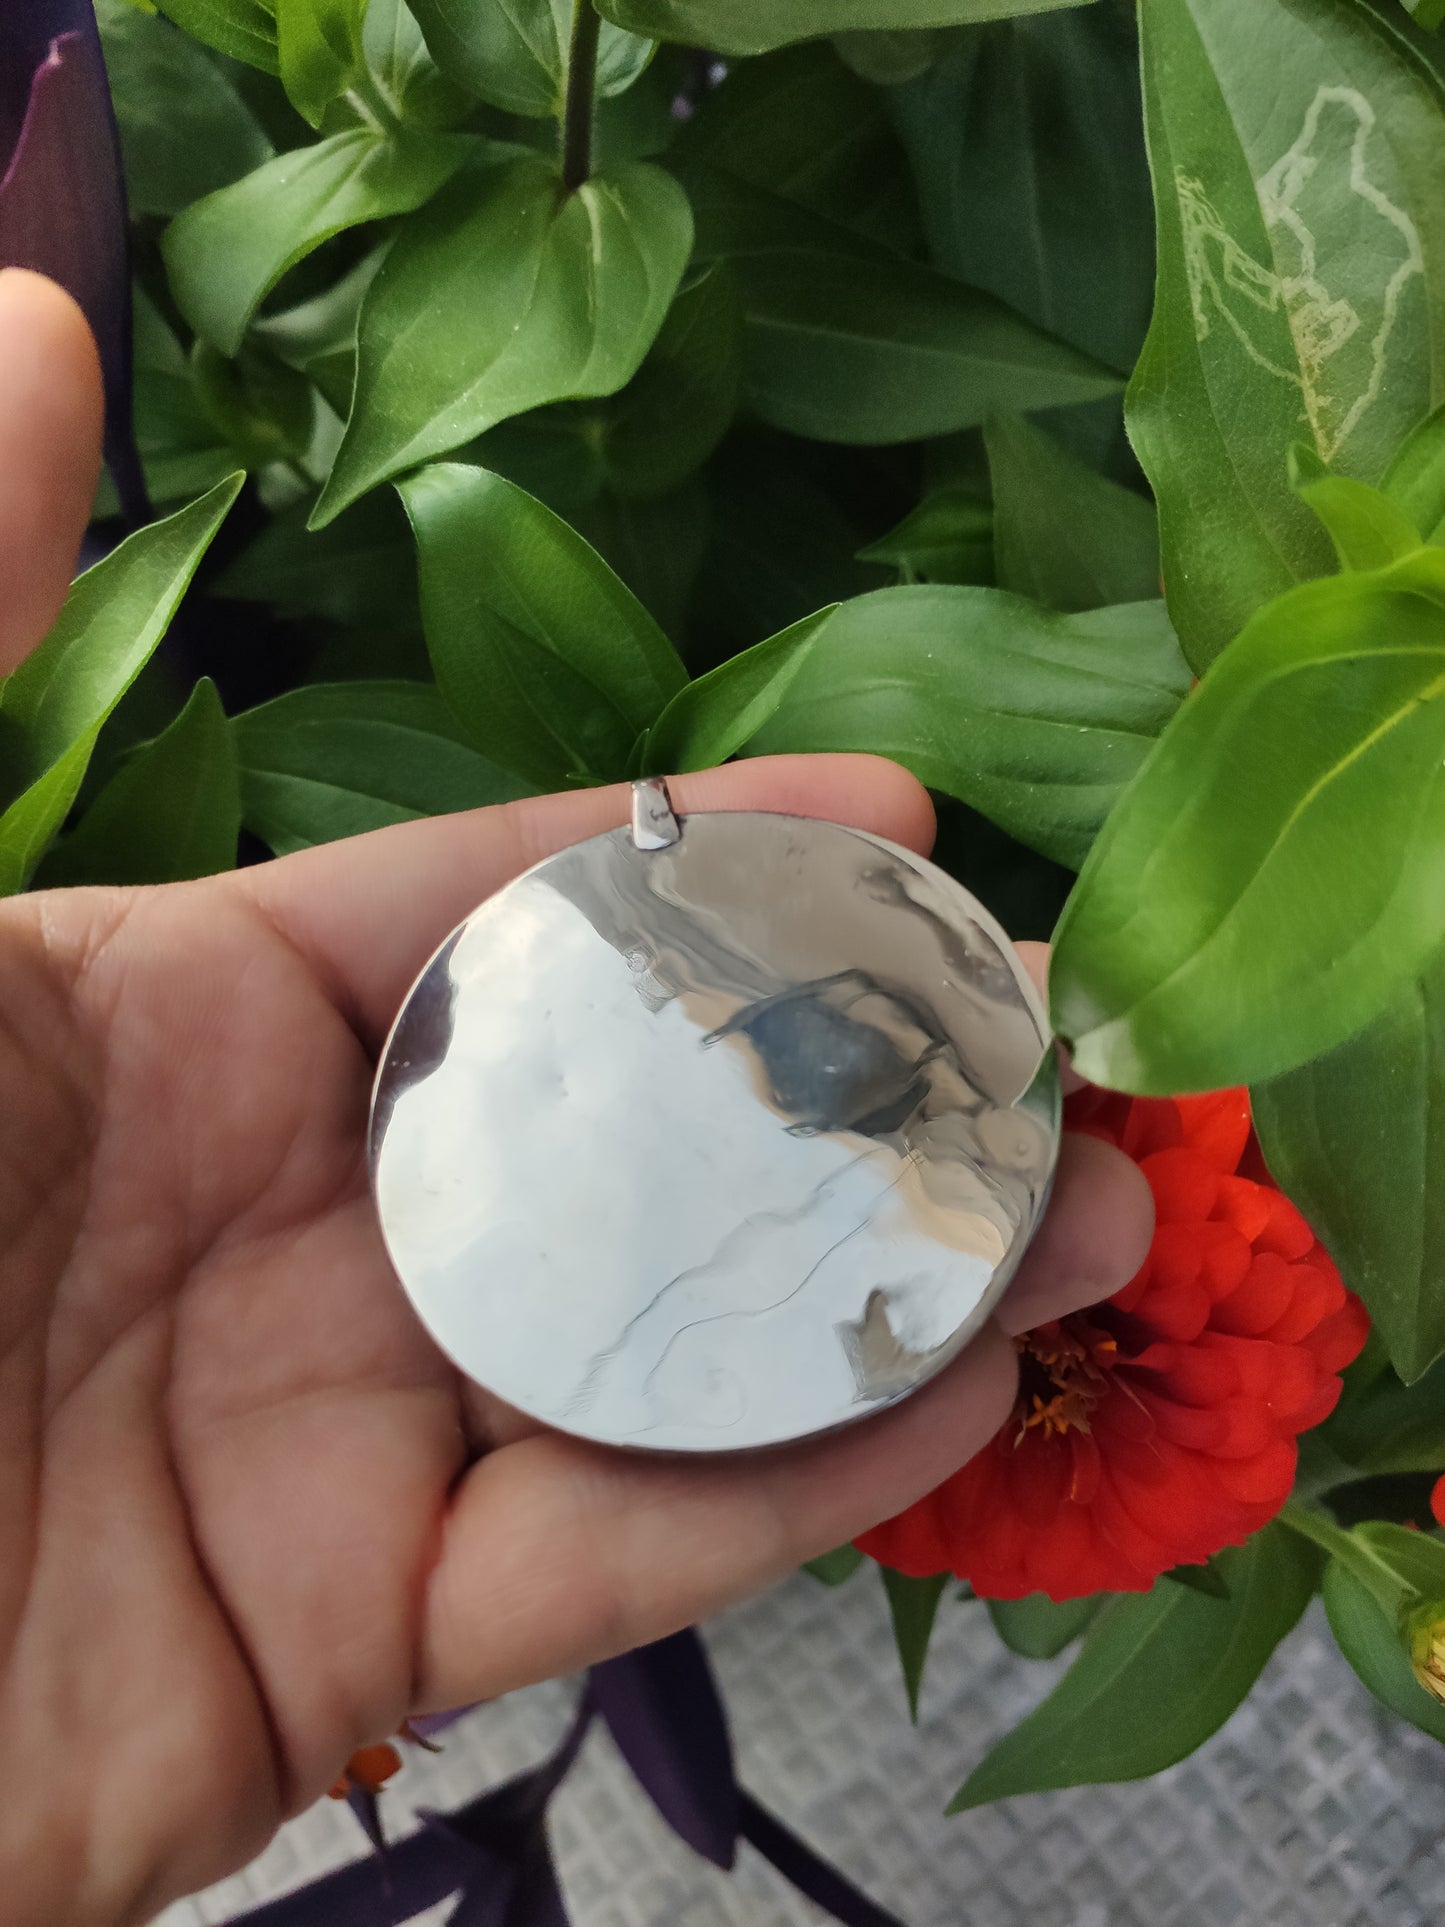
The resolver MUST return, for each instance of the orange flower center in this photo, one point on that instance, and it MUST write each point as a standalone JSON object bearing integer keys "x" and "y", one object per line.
{"x": 1063, "y": 1371}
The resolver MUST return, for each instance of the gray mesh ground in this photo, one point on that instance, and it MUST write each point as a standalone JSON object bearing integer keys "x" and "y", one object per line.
{"x": 1313, "y": 1808}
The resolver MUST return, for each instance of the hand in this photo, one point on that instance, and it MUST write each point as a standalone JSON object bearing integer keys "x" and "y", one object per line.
{"x": 249, "y": 1517}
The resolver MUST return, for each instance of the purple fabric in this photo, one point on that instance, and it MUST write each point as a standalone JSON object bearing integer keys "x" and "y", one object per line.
{"x": 62, "y": 200}
{"x": 663, "y": 1710}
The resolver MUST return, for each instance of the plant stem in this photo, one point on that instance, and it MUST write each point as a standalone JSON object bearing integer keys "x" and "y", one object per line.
{"x": 1373, "y": 1572}
{"x": 581, "y": 85}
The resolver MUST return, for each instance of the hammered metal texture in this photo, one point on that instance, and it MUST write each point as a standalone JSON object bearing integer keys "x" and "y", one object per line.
{"x": 1313, "y": 1808}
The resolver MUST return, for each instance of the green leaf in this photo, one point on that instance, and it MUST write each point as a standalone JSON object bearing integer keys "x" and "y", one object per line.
{"x": 1027, "y": 145}
{"x": 181, "y": 451}
{"x": 513, "y": 53}
{"x": 319, "y": 47}
{"x": 714, "y": 716}
{"x": 52, "y": 706}
{"x": 1208, "y": 1579}
{"x": 184, "y": 130}
{"x": 1036, "y": 719}
{"x": 913, "y": 1607}
{"x": 1357, "y": 1138}
{"x": 549, "y": 663}
{"x": 1277, "y": 874}
{"x": 653, "y": 542}
{"x": 836, "y": 1566}
{"x": 802, "y": 126}
{"x": 225, "y": 253}
{"x": 1158, "y": 1673}
{"x": 888, "y": 58}
{"x": 755, "y": 26}
{"x": 359, "y": 572}
{"x": 1063, "y": 534}
{"x": 244, "y": 29}
{"x": 171, "y": 811}
{"x": 751, "y": 583}
{"x": 29, "y": 823}
{"x": 258, "y": 406}
{"x": 1371, "y": 1641}
{"x": 319, "y": 336}
{"x": 1377, "y": 1576}
{"x": 1389, "y": 1427}
{"x": 575, "y": 291}
{"x": 947, "y": 538}
{"x": 336, "y": 759}
{"x": 848, "y": 342}
{"x": 1037, "y": 1627}
{"x": 1416, "y": 1559}
{"x": 402, "y": 72}
{"x": 1368, "y": 529}
{"x": 1301, "y": 234}
{"x": 1415, "y": 479}
{"x": 676, "y": 409}
{"x": 653, "y": 546}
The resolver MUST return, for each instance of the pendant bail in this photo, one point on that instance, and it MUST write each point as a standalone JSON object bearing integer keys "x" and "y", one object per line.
{"x": 654, "y": 827}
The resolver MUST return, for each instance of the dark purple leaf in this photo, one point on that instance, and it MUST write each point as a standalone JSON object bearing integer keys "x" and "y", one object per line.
{"x": 537, "y": 1897}
{"x": 523, "y": 1896}
{"x": 426, "y": 1726}
{"x": 424, "y": 1869}
{"x": 364, "y": 1805}
{"x": 26, "y": 32}
{"x": 62, "y": 202}
{"x": 504, "y": 1820}
{"x": 662, "y": 1708}
{"x": 491, "y": 1883}
{"x": 797, "y": 1863}
{"x": 494, "y": 1856}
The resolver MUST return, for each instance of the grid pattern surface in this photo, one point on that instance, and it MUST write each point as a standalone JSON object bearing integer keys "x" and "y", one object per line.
{"x": 1313, "y": 1807}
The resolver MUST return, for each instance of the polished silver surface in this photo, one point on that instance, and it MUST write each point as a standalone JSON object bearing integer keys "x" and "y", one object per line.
{"x": 713, "y": 1143}
{"x": 654, "y": 826}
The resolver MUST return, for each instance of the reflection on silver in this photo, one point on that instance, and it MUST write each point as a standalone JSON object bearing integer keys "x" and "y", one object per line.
{"x": 711, "y": 1143}
{"x": 653, "y": 824}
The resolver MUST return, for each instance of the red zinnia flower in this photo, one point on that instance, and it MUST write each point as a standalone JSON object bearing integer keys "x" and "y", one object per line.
{"x": 1157, "y": 1427}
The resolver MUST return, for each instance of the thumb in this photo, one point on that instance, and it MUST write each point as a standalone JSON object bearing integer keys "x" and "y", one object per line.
{"x": 51, "y": 410}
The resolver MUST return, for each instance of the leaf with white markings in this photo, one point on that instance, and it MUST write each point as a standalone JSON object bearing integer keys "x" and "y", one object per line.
{"x": 1301, "y": 236}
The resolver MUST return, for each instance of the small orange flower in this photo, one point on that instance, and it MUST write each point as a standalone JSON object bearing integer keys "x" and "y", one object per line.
{"x": 368, "y": 1769}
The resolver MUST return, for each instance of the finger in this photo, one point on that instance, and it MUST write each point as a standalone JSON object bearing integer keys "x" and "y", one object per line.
{"x": 558, "y": 1554}
{"x": 1035, "y": 958}
{"x": 51, "y": 408}
{"x": 1094, "y": 1237}
{"x": 369, "y": 911}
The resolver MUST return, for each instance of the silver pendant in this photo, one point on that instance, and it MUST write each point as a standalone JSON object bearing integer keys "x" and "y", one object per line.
{"x": 711, "y": 1136}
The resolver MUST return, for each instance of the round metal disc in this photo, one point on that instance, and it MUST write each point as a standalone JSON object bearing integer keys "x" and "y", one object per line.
{"x": 716, "y": 1145}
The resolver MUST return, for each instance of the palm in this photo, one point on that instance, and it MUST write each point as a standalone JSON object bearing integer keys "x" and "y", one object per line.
{"x": 246, "y": 1440}
{"x": 249, "y": 1517}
